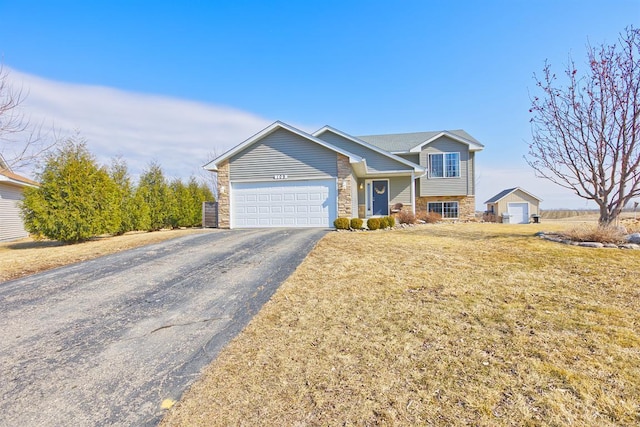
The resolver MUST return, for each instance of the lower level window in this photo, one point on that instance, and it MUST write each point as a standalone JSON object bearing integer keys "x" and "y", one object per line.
{"x": 445, "y": 209}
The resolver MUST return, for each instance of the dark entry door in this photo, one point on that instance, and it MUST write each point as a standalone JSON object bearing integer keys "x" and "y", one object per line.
{"x": 380, "y": 198}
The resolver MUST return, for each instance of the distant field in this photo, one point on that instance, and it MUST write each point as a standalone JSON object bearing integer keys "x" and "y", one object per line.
{"x": 568, "y": 213}
{"x": 578, "y": 214}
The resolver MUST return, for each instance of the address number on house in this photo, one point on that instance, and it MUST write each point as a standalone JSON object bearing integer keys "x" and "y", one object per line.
{"x": 280, "y": 177}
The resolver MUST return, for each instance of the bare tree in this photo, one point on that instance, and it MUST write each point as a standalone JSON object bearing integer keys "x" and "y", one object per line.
{"x": 21, "y": 142}
{"x": 210, "y": 178}
{"x": 586, "y": 135}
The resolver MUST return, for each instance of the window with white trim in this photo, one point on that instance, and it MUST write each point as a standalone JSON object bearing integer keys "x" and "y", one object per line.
{"x": 445, "y": 209}
{"x": 444, "y": 165}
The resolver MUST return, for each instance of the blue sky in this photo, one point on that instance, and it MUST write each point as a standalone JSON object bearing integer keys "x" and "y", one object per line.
{"x": 175, "y": 83}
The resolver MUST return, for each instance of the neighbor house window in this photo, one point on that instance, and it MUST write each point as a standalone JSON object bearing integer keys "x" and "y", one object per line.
{"x": 444, "y": 165}
{"x": 445, "y": 209}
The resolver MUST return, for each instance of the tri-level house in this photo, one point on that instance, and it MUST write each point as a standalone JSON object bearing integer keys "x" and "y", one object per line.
{"x": 285, "y": 177}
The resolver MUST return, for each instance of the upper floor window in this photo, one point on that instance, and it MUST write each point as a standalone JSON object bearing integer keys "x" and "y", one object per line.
{"x": 444, "y": 165}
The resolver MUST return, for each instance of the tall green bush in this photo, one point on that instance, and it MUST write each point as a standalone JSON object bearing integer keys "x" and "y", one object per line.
{"x": 76, "y": 199}
{"x": 155, "y": 192}
{"x": 187, "y": 209}
{"x": 200, "y": 192}
{"x": 134, "y": 212}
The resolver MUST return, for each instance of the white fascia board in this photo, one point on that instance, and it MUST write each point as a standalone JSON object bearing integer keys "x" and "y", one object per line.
{"x": 15, "y": 182}
{"x": 513, "y": 191}
{"x": 417, "y": 168}
{"x": 213, "y": 165}
{"x": 472, "y": 145}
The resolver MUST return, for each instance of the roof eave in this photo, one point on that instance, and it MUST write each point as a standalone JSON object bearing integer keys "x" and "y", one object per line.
{"x": 417, "y": 168}
{"x": 473, "y": 146}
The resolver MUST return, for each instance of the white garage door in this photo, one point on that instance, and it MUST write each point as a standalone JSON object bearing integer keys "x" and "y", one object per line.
{"x": 519, "y": 213}
{"x": 283, "y": 204}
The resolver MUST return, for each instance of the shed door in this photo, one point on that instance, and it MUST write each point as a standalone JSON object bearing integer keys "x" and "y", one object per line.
{"x": 283, "y": 204}
{"x": 519, "y": 213}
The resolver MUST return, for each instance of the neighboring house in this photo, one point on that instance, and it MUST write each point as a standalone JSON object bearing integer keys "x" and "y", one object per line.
{"x": 284, "y": 177}
{"x": 11, "y": 187}
{"x": 514, "y": 206}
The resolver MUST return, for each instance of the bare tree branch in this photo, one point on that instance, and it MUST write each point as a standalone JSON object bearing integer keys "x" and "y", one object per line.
{"x": 586, "y": 134}
{"x": 21, "y": 142}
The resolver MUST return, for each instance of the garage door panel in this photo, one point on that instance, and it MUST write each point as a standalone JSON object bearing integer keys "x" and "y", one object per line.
{"x": 519, "y": 213}
{"x": 284, "y": 204}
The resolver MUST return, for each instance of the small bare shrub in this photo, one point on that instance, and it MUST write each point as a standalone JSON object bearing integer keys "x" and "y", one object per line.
{"x": 356, "y": 223}
{"x": 429, "y": 217}
{"x": 406, "y": 217}
{"x": 490, "y": 217}
{"x": 586, "y": 233}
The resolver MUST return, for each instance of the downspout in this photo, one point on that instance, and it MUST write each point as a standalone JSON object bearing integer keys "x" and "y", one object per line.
{"x": 413, "y": 192}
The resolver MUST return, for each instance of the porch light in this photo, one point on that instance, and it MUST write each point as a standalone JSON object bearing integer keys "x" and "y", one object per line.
{"x": 344, "y": 184}
{"x": 361, "y": 186}
{"x": 222, "y": 189}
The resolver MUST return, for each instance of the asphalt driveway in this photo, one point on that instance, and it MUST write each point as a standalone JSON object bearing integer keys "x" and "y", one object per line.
{"x": 105, "y": 342}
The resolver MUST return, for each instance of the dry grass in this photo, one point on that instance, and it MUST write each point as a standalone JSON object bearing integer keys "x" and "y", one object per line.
{"x": 28, "y": 256}
{"x": 446, "y": 324}
{"x": 593, "y": 233}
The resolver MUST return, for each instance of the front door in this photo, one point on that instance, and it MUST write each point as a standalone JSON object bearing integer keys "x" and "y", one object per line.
{"x": 378, "y": 197}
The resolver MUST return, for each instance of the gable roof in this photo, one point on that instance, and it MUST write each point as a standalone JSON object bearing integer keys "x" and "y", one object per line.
{"x": 504, "y": 193}
{"x": 416, "y": 168}
{"x": 413, "y": 142}
{"x": 213, "y": 165}
{"x": 7, "y": 176}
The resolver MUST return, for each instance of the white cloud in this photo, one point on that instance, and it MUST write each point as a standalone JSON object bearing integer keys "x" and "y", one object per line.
{"x": 180, "y": 135}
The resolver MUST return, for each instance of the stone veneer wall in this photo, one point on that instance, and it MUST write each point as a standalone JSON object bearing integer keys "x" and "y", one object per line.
{"x": 344, "y": 193}
{"x": 224, "y": 205}
{"x": 466, "y": 205}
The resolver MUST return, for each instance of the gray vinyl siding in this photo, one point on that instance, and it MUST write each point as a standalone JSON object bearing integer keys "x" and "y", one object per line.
{"x": 283, "y": 153}
{"x": 462, "y": 185}
{"x": 400, "y": 190}
{"x": 11, "y": 225}
{"x": 415, "y": 158}
{"x": 471, "y": 164}
{"x": 376, "y": 162}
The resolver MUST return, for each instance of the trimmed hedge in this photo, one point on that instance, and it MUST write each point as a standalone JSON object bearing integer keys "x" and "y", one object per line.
{"x": 356, "y": 223}
{"x": 341, "y": 223}
{"x": 373, "y": 223}
{"x": 391, "y": 221}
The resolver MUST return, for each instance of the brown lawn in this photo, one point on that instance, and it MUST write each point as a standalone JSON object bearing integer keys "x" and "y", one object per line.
{"x": 446, "y": 324}
{"x": 28, "y": 256}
